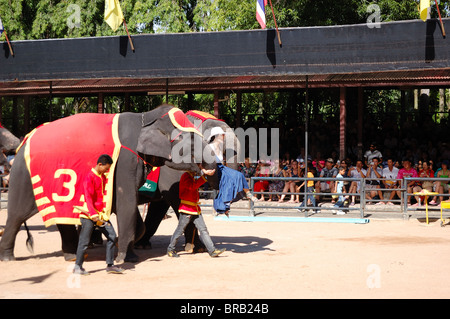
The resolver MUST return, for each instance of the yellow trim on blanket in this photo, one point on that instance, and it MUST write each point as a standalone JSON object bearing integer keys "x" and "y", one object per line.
{"x": 38, "y": 190}
{"x": 65, "y": 221}
{"x": 48, "y": 210}
{"x": 115, "y": 156}
{"x": 35, "y": 179}
{"x": 42, "y": 201}
{"x": 178, "y": 126}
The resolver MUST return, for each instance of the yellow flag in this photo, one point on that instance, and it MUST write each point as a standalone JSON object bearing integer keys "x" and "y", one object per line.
{"x": 424, "y": 7}
{"x": 113, "y": 14}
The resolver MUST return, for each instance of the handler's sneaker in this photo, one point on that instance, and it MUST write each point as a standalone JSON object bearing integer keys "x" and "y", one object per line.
{"x": 114, "y": 270}
{"x": 172, "y": 253}
{"x": 217, "y": 252}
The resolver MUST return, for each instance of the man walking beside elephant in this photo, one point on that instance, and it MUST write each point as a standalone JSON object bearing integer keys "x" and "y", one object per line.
{"x": 94, "y": 189}
{"x": 190, "y": 212}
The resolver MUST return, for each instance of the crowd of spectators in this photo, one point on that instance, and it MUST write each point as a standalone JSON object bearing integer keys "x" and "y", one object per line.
{"x": 382, "y": 174}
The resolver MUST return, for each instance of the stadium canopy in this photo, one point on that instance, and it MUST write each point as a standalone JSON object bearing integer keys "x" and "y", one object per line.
{"x": 404, "y": 54}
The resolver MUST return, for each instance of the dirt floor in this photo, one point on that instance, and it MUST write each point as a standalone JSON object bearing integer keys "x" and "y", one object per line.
{"x": 380, "y": 259}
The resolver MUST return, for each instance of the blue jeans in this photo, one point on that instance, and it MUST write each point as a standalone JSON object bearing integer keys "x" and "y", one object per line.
{"x": 310, "y": 196}
{"x": 87, "y": 226}
{"x": 183, "y": 221}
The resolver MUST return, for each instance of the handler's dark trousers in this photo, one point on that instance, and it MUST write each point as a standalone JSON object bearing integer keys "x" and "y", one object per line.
{"x": 183, "y": 221}
{"x": 87, "y": 226}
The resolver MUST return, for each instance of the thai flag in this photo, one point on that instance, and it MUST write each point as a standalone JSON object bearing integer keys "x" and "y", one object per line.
{"x": 261, "y": 12}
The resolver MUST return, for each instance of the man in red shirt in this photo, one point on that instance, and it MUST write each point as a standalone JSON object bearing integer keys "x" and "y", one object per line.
{"x": 94, "y": 189}
{"x": 189, "y": 210}
{"x": 411, "y": 187}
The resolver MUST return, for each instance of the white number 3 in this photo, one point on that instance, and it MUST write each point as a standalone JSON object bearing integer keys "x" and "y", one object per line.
{"x": 70, "y": 185}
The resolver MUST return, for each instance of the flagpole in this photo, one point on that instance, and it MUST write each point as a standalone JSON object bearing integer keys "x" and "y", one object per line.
{"x": 9, "y": 44}
{"x": 440, "y": 19}
{"x": 276, "y": 26}
{"x": 128, "y": 33}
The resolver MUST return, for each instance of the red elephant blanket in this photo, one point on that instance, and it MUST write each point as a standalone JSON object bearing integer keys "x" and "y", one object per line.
{"x": 60, "y": 154}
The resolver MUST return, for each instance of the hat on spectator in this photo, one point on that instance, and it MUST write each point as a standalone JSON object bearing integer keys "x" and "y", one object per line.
{"x": 216, "y": 131}
{"x": 330, "y": 160}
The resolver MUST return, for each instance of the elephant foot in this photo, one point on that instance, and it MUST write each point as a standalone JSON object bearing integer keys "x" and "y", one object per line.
{"x": 126, "y": 257}
{"x": 70, "y": 257}
{"x": 194, "y": 249}
{"x": 7, "y": 256}
{"x": 120, "y": 259}
{"x": 189, "y": 248}
{"x": 131, "y": 257}
{"x": 143, "y": 244}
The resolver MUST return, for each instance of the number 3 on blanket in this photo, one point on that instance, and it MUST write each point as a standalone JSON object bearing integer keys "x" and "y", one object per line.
{"x": 70, "y": 185}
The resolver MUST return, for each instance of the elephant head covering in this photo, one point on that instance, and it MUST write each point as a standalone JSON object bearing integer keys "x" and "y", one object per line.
{"x": 181, "y": 121}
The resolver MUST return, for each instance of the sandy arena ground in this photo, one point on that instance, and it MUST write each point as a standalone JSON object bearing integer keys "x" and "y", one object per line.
{"x": 381, "y": 259}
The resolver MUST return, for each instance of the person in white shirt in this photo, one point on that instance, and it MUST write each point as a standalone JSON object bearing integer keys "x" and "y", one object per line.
{"x": 390, "y": 182}
{"x": 371, "y": 154}
{"x": 356, "y": 171}
{"x": 374, "y": 173}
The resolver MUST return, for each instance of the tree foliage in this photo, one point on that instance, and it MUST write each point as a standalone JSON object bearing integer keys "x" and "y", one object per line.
{"x": 45, "y": 19}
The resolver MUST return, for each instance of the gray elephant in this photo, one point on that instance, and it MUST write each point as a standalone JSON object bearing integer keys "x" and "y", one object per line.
{"x": 145, "y": 140}
{"x": 8, "y": 143}
{"x": 166, "y": 195}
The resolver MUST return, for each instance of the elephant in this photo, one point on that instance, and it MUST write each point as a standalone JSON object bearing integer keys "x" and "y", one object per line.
{"x": 147, "y": 139}
{"x": 8, "y": 142}
{"x": 168, "y": 184}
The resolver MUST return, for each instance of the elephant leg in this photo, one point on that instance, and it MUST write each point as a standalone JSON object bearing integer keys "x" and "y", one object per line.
{"x": 69, "y": 239}
{"x": 21, "y": 206}
{"x": 129, "y": 229}
{"x": 7, "y": 243}
{"x": 193, "y": 242}
{"x": 155, "y": 214}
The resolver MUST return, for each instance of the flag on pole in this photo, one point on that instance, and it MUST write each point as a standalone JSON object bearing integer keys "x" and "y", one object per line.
{"x": 2, "y": 29}
{"x": 424, "y": 9}
{"x": 261, "y": 12}
{"x": 113, "y": 14}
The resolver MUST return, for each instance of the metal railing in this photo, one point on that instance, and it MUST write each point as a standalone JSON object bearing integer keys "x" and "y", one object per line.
{"x": 252, "y": 205}
{"x": 2, "y": 192}
{"x": 401, "y": 190}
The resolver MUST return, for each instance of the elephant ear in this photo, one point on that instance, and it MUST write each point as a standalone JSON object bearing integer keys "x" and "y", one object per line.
{"x": 153, "y": 142}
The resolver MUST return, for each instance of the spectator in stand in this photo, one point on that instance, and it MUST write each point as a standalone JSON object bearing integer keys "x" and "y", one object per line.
{"x": 345, "y": 163}
{"x": 262, "y": 170}
{"x": 247, "y": 168}
{"x": 276, "y": 185}
{"x": 372, "y": 153}
{"x": 412, "y": 186}
{"x": 373, "y": 176}
{"x": 356, "y": 171}
{"x": 329, "y": 171}
{"x": 390, "y": 173}
{"x": 339, "y": 189}
{"x": 290, "y": 171}
{"x": 442, "y": 187}
{"x": 310, "y": 200}
{"x": 426, "y": 172}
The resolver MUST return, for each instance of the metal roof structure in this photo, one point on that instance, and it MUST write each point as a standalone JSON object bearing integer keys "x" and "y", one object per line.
{"x": 397, "y": 54}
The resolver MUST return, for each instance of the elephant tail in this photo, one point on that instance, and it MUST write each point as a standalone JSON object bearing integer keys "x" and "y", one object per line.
{"x": 30, "y": 240}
